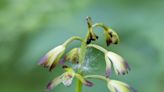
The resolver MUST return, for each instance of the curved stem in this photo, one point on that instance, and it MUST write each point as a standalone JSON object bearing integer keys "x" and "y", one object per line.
{"x": 100, "y": 25}
{"x": 96, "y": 77}
{"x": 98, "y": 47}
{"x": 72, "y": 39}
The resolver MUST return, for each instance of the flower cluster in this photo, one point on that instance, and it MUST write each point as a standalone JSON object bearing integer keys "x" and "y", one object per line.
{"x": 77, "y": 55}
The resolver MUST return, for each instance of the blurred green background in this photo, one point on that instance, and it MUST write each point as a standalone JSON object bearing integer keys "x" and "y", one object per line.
{"x": 30, "y": 28}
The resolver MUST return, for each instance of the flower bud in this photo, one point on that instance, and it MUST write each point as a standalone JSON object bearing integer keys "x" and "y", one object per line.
{"x": 118, "y": 86}
{"x": 120, "y": 66}
{"x": 92, "y": 37}
{"x": 52, "y": 57}
{"x": 73, "y": 55}
{"x": 111, "y": 37}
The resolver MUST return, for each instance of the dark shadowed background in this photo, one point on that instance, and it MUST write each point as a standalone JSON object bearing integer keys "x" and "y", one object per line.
{"x": 30, "y": 28}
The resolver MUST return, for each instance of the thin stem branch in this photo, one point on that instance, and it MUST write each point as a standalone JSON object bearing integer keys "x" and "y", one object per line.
{"x": 96, "y": 77}
{"x": 98, "y": 47}
{"x": 100, "y": 25}
{"x": 72, "y": 39}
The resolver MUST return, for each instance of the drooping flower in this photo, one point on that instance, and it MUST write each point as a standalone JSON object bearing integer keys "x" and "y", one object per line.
{"x": 118, "y": 86}
{"x": 52, "y": 57}
{"x": 111, "y": 37}
{"x": 66, "y": 78}
{"x": 73, "y": 55}
{"x": 119, "y": 64}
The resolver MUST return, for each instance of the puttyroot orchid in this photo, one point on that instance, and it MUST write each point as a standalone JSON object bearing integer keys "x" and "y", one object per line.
{"x": 67, "y": 78}
{"x": 76, "y": 58}
{"x": 52, "y": 57}
{"x": 119, "y": 64}
{"x": 118, "y": 86}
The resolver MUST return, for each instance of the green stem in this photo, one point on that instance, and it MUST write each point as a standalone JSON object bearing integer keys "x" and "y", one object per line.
{"x": 84, "y": 45}
{"x": 83, "y": 49}
{"x": 83, "y": 53}
{"x": 98, "y": 47}
{"x": 97, "y": 77}
{"x": 78, "y": 86}
{"x": 72, "y": 39}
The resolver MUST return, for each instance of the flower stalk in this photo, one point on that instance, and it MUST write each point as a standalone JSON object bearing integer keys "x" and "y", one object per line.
{"x": 72, "y": 39}
{"x": 96, "y": 77}
{"x": 83, "y": 51}
{"x": 98, "y": 48}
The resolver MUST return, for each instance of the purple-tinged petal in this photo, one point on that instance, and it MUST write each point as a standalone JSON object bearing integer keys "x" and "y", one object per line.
{"x": 43, "y": 60}
{"x": 108, "y": 72}
{"x": 88, "y": 83}
{"x": 127, "y": 66}
{"x": 83, "y": 80}
{"x": 49, "y": 86}
{"x": 54, "y": 82}
{"x": 108, "y": 66}
{"x": 62, "y": 61}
